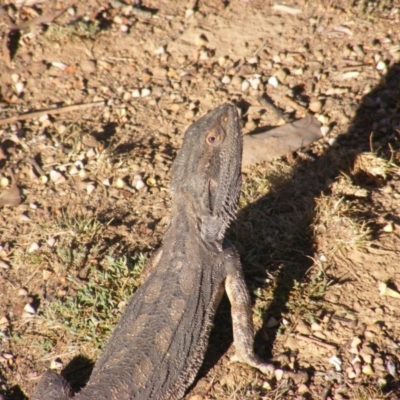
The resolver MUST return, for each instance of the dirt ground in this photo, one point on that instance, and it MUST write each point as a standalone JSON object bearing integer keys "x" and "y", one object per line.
{"x": 84, "y": 190}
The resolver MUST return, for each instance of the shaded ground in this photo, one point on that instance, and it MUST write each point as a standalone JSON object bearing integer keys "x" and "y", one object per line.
{"x": 85, "y": 193}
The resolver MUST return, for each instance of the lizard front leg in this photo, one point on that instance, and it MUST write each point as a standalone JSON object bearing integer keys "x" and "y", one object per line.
{"x": 243, "y": 330}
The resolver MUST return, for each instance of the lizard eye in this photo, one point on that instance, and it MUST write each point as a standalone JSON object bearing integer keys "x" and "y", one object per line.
{"x": 212, "y": 138}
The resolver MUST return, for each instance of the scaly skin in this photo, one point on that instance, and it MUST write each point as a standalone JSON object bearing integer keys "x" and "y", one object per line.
{"x": 159, "y": 343}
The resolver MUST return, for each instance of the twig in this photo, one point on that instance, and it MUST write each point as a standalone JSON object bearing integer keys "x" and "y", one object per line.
{"x": 316, "y": 341}
{"x": 50, "y": 111}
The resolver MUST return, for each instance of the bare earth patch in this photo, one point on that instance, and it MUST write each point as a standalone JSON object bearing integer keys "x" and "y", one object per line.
{"x": 84, "y": 192}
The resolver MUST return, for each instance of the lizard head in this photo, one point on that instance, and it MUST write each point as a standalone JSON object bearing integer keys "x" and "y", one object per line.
{"x": 207, "y": 171}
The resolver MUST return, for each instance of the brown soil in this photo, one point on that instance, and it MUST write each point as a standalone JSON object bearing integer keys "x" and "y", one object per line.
{"x": 84, "y": 193}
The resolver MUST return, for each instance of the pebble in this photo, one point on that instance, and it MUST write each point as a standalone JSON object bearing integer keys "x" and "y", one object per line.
{"x": 19, "y": 87}
{"x": 51, "y": 241}
{"x": 226, "y": 79}
{"x": 145, "y": 92}
{"x": 201, "y": 40}
{"x": 252, "y": 60}
{"x": 273, "y": 81}
{"x": 389, "y": 227}
{"x": 119, "y": 183}
{"x": 4, "y": 182}
{"x": 90, "y": 188}
{"x": 278, "y": 374}
{"x": 33, "y": 247}
{"x": 255, "y": 82}
{"x": 29, "y": 309}
{"x": 367, "y": 370}
{"x": 55, "y": 175}
{"x": 324, "y": 130}
{"x": 356, "y": 342}
{"x": 160, "y": 50}
{"x": 135, "y": 93}
{"x": 302, "y": 389}
{"x": 22, "y": 292}
{"x": 381, "y": 66}
{"x": 56, "y": 364}
{"x": 315, "y": 106}
{"x": 222, "y": 61}
{"x": 245, "y": 85}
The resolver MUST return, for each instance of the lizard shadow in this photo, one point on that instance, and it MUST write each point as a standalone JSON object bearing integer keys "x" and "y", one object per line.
{"x": 274, "y": 234}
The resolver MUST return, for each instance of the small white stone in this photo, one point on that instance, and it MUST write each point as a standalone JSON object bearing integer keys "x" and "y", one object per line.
{"x": 201, "y": 41}
{"x": 106, "y": 182}
{"x": 252, "y": 60}
{"x": 82, "y": 173}
{"x": 24, "y": 218}
{"x": 273, "y": 81}
{"x": 389, "y": 227}
{"x": 245, "y": 85}
{"x": 15, "y": 78}
{"x": 381, "y": 66}
{"x": 160, "y": 50}
{"x": 119, "y": 183}
{"x": 145, "y": 92}
{"x": 59, "y": 65}
{"x": 255, "y": 83}
{"x": 56, "y": 364}
{"x": 90, "y": 188}
{"x": 336, "y": 362}
{"x": 278, "y": 374}
{"x": 43, "y": 179}
{"x": 226, "y": 79}
{"x": 355, "y": 342}
{"x": 79, "y": 164}
{"x": 139, "y": 185}
{"x": 135, "y": 93}
{"x": 22, "y": 292}
{"x": 73, "y": 170}
{"x": 55, "y": 175}
{"x": 189, "y": 12}
{"x": 124, "y": 28}
{"x": 324, "y": 130}
{"x": 19, "y": 87}
{"x": 33, "y": 247}
{"x": 51, "y": 241}
{"x": 4, "y": 182}
{"x": 276, "y": 59}
{"x": 316, "y": 327}
{"x": 29, "y": 309}
{"x": 323, "y": 258}
{"x": 91, "y": 153}
{"x": 298, "y": 71}
{"x": 203, "y": 55}
{"x": 222, "y": 61}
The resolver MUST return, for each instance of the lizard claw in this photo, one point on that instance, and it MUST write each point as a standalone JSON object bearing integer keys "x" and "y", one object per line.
{"x": 267, "y": 369}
